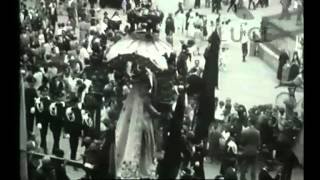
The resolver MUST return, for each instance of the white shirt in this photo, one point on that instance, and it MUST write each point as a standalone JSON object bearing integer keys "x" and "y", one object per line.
{"x": 47, "y": 48}
{"x": 39, "y": 77}
{"x": 41, "y": 39}
{"x": 83, "y": 55}
{"x": 244, "y": 38}
{"x": 219, "y": 113}
{"x": 102, "y": 27}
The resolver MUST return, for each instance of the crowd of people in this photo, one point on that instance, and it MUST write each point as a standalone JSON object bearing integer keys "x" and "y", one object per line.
{"x": 72, "y": 91}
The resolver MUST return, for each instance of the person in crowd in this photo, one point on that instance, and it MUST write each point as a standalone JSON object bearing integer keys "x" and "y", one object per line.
{"x": 197, "y": 70}
{"x": 169, "y": 167}
{"x": 124, "y": 4}
{"x": 252, "y": 2}
{"x": 249, "y": 144}
{"x": 214, "y": 136}
{"x": 244, "y": 41}
{"x": 191, "y": 23}
{"x": 182, "y": 61}
{"x": 42, "y": 115}
{"x": 267, "y": 171}
{"x": 59, "y": 166}
{"x": 290, "y": 104}
{"x": 223, "y": 60}
{"x": 197, "y": 4}
{"x": 170, "y": 28}
{"x": 300, "y": 7}
{"x": 211, "y": 55}
{"x": 57, "y": 112}
{"x": 231, "y": 171}
{"x": 92, "y": 3}
{"x": 295, "y": 67}
{"x": 197, "y": 162}
{"x": 228, "y": 108}
{"x": 180, "y": 18}
{"x": 84, "y": 27}
{"x": 285, "y": 141}
{"x": 219, "y": 114}
{"x": 204, "y": 28}
{"x": 233, "y": 5}
{"x": 73, "y": 127}
{"x": 216, "y": 6}
{"x": 30, "y": 96}
{"x": 285, "y": 9}
{"x": 187, "y": 19}
{"x": 53, "y": 14}
{"x": 229, "y": 152}
{"x": 33, "y": 162}
{"x": 46, "y": 170}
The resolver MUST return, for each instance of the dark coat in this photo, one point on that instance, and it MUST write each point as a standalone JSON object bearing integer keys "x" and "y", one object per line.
{"x": 283, "y": 58}
{"x": 169, "y": 29}
{"x": 211, "y": 55}
{"x": 170, "y": 165}
{"x": 250, "y": 141}
{"x": 74, "y": 128}
{"x": 30, "y": 95}
{"x": 198, "y": 170}
{"x": 60, "y": 171}
{"x": 43, "y": 116}
{"x": 56, "y": 122}
{"x": 294, "y": 71}
{"x": 182, "y": 62}
{"x": 264, "y": 175}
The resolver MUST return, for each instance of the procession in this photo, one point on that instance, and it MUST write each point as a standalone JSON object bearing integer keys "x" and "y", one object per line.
{"x": 156, "y": 89}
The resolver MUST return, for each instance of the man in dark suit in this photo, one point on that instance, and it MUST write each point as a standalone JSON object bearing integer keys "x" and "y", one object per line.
{"x": 57, "y": 114}
{"x": 73, "y": 128}
{"x": 283, "y": 58}
{"x": 197, "y": 162}
{"x": 42, "y": 115}
{"x": 30, "y": 95}
{"x": 59, "y": 167}
{"x": 249, "y": 143}
{"x": 170, "y": 28}
{"x": 169, "y": 167}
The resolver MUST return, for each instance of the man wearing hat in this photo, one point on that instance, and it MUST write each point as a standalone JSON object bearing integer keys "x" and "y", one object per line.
{"x": 42, "y": 115}
{"x": 30, "y": 95}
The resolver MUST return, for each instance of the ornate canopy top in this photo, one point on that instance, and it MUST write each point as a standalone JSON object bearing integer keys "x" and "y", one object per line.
{"x": 153, "y": 50}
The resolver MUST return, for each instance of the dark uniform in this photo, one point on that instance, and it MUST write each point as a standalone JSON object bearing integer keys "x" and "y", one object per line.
{"x": 73, "y": 127}
{"x": 88, "y": 128}
{"x": 197, "y": 163}
{"x": 57, "y": 115}
{"x": 30, "y": 95}
{"x": 42, "y": 117}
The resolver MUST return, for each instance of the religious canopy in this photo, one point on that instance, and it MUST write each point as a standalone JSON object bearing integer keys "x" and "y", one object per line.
{"x": 147, "y": 53}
